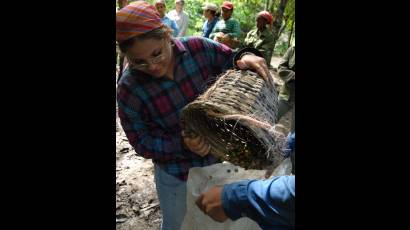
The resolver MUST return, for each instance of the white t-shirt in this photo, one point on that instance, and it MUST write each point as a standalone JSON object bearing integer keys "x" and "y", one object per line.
{"x": 181, "y": 19}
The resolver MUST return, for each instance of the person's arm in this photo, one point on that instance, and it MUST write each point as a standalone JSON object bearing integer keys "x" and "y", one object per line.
{"x": 148, "y": 140}
{"x": 271, "y": 203}
{"x": 267, "y": 47}
{"x": 174, "y": 26}
{"x": 284, "y": 72}
{"x": 247, "y": 41}
{"x": 204, "y": 29}
{"x": 247, "y": 58}
{"x": 185, "y": 22}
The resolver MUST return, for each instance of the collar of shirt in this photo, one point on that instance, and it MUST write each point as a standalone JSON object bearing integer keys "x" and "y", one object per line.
{"x": 214, "y": 20}
{"x": 257, "y": 34}
{"x": 179, "y": 47}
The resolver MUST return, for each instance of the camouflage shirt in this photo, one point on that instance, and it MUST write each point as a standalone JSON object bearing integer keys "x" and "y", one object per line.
{"x": 264, "y": 42}
{"x": 286, "y": 71}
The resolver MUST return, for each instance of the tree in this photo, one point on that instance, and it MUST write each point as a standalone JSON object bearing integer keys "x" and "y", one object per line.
{"x": 267, "y": 5}
{"x": 278, "y": 19}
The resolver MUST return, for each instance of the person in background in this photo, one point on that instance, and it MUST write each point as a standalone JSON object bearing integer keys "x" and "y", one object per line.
{"x": 262, "y": 38}
{"x": 286, "y": 71}
{"x": 211, "y": 19}
{"x": 164, "y": 74}
{"x": 227, "y": 30}
{"x": 180, "y": 17}
{"x": 161, "y": 8}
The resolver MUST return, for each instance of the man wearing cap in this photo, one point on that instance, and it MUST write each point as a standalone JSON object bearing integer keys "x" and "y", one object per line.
{"x": 210, "y": 14}
{"x": 161, "y": 8}
{"x": 261, "y": 38}
{"x": 180, "y": 17}
{"x": 227, "y": 30}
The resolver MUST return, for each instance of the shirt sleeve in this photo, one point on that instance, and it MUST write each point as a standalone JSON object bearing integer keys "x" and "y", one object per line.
{"x": 268, "y": 45}
{"x": 204, "y": 29}
{"x": 221, "y": 56}
{"x": 284, "y": 72}
{"x": 148, "y": 140}
{"x": 248, "y": 39}
{"x": 174, "y": 26}
{"x": 271, "y": 203}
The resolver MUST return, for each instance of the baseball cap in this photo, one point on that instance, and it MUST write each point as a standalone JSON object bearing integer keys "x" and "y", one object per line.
{"x": 210, "y": 6}
{"x": 227, "y": 5}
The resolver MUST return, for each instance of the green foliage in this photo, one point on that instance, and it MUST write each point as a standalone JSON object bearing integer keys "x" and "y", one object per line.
{"x": 290, "y": 12}
{"x": 244, "y": 11}
{"x": 280, "y": 48}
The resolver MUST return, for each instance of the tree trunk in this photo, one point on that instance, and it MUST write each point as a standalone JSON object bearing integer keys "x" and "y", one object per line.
{"x": 282, "y": 28}
{"x": 278, "y": 20}
{"x": 267, "y": 5}
{"x": 271, "y": 6}
{"x": 291, "y": 33}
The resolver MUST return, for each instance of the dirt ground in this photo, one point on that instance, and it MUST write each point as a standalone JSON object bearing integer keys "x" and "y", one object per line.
{"x": 137, "y": 205}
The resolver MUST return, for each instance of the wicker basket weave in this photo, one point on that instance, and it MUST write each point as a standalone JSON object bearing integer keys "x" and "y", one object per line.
{"x": 236, "y": 115}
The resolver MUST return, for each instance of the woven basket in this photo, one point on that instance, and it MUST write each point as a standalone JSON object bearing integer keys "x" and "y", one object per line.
{"x": 236, "y": 115}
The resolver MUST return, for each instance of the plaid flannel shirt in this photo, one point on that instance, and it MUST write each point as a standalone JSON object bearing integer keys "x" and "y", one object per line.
{"x": 149, "y": 108}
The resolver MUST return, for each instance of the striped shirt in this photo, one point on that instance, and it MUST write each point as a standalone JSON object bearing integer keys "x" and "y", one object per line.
{"x": 149, "y": 108}
{"x": 230, "y": 27}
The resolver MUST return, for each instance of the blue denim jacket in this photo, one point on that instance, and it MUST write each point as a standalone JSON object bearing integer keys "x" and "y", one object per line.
{"x": 208, "y": 27}
{"x": 271, "y": 203}
{"x": 171, "y": 24}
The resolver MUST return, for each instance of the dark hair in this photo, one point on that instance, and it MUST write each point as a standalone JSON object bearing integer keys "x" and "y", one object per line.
{"x": 159, "y": 33}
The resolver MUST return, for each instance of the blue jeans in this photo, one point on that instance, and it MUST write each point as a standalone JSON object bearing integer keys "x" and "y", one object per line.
{"x": 172, "y": 199}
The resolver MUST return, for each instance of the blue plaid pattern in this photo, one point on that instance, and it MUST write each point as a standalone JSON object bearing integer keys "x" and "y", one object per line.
{"x": 149, "y": 108}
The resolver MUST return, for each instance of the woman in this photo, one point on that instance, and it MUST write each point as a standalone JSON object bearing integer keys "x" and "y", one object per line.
{"x": 161, "y": 8}
{"x": 164, "y": 75}
{"x": 261, "y": 38}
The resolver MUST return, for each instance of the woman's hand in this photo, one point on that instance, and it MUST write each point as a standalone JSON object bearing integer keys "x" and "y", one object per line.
{"x": 258, "y": 64}
{"x": 197, "y": 144}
